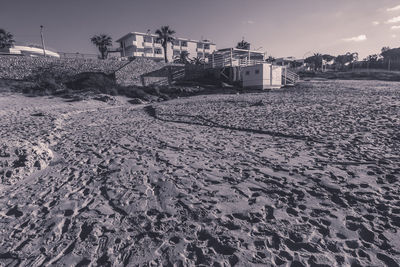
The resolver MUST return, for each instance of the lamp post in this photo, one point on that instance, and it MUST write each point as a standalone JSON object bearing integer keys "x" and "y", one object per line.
{"x": 41, "y": 37}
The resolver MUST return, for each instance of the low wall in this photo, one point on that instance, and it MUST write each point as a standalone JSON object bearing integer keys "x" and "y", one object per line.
{"x": 25, "y": 68}
{"x": 139, "y": 72}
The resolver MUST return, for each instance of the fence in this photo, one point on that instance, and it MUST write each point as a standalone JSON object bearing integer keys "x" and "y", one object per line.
{"x": 390, "y": 65}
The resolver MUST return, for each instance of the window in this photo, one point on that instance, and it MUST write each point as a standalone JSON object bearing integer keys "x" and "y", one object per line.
{"x": 200, "y": 46}
{"x": 200, "y": 55}
{"x": 206, "y": 46}
{"x": 157, "y": 41}
{"x": 257, "y": 71}
{"x": 177, "y": 52}
{"x": 247, "y": 72}
{"x": 147, "y": 39}
{"x": 175, "y": 42}
{"x": 158, "y": 51}
{"x": 184, "y": 43}
{"x": 148, "y": 50}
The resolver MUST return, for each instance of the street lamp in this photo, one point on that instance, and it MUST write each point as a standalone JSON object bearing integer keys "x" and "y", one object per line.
{"x": 41, "y": 37}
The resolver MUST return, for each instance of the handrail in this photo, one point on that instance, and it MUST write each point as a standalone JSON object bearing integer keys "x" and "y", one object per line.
{"x": 290, "y": 77}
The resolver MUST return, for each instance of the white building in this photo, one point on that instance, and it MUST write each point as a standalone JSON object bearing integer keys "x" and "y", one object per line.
{"x": 136, "y": 44}
{"x": 29, "y": 50}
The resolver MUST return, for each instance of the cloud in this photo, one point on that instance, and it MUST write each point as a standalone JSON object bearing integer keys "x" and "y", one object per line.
{"x": 359, "y": 38}
{"x": 395, "y": 27}
{"x": 393, "y": 8}
{"x": 376, "y": 23}
{"x": 248, "y": 22}
{"x": 394, "y": 35}
{"x": 393, "y": 20}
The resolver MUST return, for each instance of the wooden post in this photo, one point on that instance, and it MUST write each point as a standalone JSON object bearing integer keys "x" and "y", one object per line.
{"x": 285, "y": 77}
{"x": 270, "y": 74}
{"x": 231, "y": 57}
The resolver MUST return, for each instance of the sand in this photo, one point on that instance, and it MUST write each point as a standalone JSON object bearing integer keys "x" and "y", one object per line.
{"x": 306, "y": 176}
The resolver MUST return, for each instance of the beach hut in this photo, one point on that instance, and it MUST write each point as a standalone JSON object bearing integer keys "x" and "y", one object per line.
{"x": 250, "y": 69}
{"x": 262, "y": 76}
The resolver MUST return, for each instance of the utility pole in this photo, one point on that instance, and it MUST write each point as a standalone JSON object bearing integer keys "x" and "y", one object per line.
{"x": 41, "y": 37}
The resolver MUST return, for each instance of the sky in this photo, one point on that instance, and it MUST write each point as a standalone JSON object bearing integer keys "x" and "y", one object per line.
{"x": 280, "y": 27}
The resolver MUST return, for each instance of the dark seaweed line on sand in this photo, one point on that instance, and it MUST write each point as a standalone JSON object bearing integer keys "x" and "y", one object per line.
{"x": 150, "y": 110}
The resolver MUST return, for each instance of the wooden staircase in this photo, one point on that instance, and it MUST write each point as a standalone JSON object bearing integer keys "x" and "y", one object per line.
{"x": 173, "y": 76}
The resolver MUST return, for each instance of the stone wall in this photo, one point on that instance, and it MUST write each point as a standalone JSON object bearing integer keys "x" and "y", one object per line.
{"x": 139, "y": 72}
{"x": 25, "y": 68}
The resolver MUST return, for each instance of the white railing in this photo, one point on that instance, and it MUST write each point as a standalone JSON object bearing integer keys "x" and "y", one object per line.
{"x": 221, "y": 62}
{"x": 289, "y": 77}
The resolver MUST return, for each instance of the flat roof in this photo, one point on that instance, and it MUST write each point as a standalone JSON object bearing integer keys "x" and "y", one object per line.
{"x": 155, "y": 35}
{"x": 238, "y": 50}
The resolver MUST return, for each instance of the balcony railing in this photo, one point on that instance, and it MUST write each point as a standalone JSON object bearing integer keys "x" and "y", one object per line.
{"x": 146, "y": 44}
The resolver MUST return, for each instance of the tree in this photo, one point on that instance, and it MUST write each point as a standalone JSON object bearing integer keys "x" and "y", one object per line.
{"x": 182, "y": 58}
{"x": 165, "y": 35}
{"x": 390, "y": 53}
{"x": 102, "y": 42}
{"x": 385, "y": 48}
{"x": 270, "y": 59}
{"x": 243, "y": 45}
{"x": 315, "y": 61}
{"x": 197, "y": 61}
{"x": 6, "y": 39}
{"x": 328, "y": 57}
{"x": 346, "y": 59}
{"x": 372, "y": 58}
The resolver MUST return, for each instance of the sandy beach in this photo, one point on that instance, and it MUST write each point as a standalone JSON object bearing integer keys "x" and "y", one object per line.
{"x": 305, "y": 176}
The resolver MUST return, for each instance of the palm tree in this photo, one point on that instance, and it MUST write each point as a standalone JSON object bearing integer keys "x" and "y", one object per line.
{"x": 243, "y": 45}
{"x": 182, "y": 58}
{"x": 165, "y": 36}
{"x": 102, "y": 42}
{"x": 6, "y": 39}
{"x": 197, "y": 61}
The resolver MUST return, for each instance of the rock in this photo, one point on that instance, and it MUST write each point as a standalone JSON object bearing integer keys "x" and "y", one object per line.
{"x": 105, "y": 98}
{"x": 136, "y": 101}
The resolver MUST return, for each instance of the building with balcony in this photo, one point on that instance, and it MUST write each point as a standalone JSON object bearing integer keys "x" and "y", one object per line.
{"x": 136, "y": 44}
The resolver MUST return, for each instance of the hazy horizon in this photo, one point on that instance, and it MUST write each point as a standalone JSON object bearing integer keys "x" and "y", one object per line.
{"x": 281, "y": 28}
